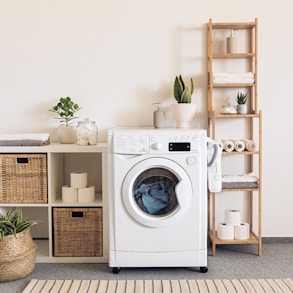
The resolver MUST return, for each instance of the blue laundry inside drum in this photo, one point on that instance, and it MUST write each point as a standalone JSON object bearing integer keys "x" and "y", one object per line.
{"x": 156, "y": 195}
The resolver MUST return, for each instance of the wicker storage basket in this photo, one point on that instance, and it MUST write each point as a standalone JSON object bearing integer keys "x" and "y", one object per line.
{"x": 17, "y": 256}
{"x": 78, "y": 231}
{"x": 23, "y": 178}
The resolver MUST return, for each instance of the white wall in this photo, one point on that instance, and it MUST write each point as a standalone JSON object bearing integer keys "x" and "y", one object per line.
{"x": 116, "y": 58}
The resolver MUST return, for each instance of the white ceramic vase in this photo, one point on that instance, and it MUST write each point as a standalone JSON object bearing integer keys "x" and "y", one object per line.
{"x": 242, "y": 109}
{"x": 183, "y": 113}
{"x": 66, "y": 134}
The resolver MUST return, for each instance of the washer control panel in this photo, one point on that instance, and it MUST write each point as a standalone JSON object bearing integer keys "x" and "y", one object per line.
{"x": 159, "y": 142}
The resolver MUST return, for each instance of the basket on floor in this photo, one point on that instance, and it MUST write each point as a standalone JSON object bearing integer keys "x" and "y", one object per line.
{"x": 17, "y": 256}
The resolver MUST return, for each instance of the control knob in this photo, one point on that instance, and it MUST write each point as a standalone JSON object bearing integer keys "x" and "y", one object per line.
{"x": 156, "y": 146}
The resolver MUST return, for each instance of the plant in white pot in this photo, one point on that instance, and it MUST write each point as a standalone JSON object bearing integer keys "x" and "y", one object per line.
{"x": 66, "y": 109}
{"x": 184, "y": 110}
{"x": 17, "y": 248}
{"x": 241, "y": 103}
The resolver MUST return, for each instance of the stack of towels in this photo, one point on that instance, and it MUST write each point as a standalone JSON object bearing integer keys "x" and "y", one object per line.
{"x": 25, "y": 139}
{"x": 248, "y": 180}
{"x": 224, "y": 77}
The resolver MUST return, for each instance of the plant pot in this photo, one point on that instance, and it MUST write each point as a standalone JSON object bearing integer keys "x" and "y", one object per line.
{"x": 242, "y": 109}
{"x": 183, "y": 113}
{"x": 66, "y": 134}
{"x": 17, "y": 256}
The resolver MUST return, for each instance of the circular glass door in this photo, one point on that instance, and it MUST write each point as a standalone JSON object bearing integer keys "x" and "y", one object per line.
{"x": 156, "y": 192}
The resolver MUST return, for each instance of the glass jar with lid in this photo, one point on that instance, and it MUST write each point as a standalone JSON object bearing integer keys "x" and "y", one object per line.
{"x": 86, "y": 132}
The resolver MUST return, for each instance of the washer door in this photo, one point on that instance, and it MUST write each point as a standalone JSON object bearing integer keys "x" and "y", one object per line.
{"x": 157, "y": 192}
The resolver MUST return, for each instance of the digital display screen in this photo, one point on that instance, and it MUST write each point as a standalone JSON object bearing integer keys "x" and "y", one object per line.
{"x": 179, "y": 147}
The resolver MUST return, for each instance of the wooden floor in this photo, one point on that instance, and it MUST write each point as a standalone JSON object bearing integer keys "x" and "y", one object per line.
{"x": 161, "y": 286}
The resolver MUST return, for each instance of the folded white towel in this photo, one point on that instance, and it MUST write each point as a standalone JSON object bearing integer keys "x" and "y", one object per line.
{"x": 233, "y": 75}
{"x": 233, "y": 80}
{"x": 237, "y": 77}
{"x": 249, "y": 177}
{"x": 26, "y": 139}
{"x": 25, "y": 136}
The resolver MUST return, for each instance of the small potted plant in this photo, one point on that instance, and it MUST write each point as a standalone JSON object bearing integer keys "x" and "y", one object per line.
{"x": 17, "y": 248}
{"x": 183, "y": 111}
{"x": 241, "y": 103}
{"x": 66, "y": 110}
{"x": 181, "y": 92}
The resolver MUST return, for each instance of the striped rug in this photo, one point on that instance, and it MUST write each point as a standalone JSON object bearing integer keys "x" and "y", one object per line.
{"x": 161, "y": 286}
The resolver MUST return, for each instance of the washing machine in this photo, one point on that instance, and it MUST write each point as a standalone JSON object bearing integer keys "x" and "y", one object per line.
{"x": 157, "y": 181}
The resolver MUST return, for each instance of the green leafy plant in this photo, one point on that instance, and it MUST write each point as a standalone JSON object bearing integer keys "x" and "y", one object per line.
{"x": 66, "y": 110}
{"x": 181, "y": 92}
{"x": 241, "y": 98}
{"x": 12, "y": 222}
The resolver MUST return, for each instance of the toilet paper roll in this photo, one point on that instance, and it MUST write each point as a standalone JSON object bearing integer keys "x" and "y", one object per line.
{"x": 242, "y": 231}
{"x": 69, "y": 194}
{"x": 225, "y": 232}
{"x": 228, "y": 145}
{"x": 78, "y": 180}
{"x": 232, "y": 217}
{"x": 239, "y": 145}
{"x": 86, "y": 194}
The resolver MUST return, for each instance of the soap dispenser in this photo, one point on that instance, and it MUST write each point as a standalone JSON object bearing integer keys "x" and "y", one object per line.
{"x": 159, "y": 117}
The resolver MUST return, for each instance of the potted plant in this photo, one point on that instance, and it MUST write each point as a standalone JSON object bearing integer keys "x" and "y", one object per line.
{"x": 241, "y": 103}
{"x": 183, "y": 111}
{"x": 17, "y": 248}
{"x": 66, "y": 110}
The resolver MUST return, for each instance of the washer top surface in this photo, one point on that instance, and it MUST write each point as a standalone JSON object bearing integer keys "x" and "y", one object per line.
{"x": 151, "y": 140}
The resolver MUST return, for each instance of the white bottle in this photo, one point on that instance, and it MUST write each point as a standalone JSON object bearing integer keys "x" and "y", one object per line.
{"x": 159, "y": 117}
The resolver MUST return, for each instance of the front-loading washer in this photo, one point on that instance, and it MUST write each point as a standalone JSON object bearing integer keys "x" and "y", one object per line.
{"x": 157, "y": 182}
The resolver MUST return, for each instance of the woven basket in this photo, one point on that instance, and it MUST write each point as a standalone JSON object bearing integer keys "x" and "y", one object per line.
{"x": 17, "y": 256}
{"x": 78, "y": 232}
{"x": 23, "y": 178}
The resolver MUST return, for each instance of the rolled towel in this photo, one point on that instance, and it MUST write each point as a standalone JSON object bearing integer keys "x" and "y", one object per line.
{"x": 239, "y": 145}
{"x": 228, "y": 145}
{"x": 250, "y": 145}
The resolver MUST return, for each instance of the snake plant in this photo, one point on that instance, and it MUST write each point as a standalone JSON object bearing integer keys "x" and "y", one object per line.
{"x": 181, "y": 92}
{"x": 241, "y": 98}
{"x": 12, "y": 222}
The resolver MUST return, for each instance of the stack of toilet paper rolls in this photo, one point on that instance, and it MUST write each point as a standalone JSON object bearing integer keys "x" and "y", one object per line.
{"x": 233, "y": 228}
{"x": 78, "y": 190}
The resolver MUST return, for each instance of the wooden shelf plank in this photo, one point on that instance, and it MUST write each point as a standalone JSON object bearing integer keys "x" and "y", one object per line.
{"x": 251, "y": 240}
{"x": 233, "y": 55}
{"x": 233, "y": 25}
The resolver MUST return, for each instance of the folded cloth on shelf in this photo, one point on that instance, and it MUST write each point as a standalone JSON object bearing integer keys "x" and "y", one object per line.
{"x": 249, "y": 177}
{"x": 242, "y": 77}
{"x": 25, "y": 139}
{"x": 239, "y": 185}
